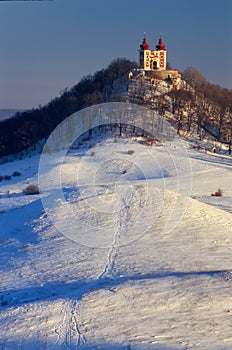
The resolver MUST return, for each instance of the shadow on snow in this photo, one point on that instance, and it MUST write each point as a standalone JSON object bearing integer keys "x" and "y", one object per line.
{"x": 76, "y": 290}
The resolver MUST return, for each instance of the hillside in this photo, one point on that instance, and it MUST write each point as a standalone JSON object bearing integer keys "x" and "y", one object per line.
{"x": 117, "y": 278}
{"x": 26, "y": 129}
{"x": 198, "y": 109}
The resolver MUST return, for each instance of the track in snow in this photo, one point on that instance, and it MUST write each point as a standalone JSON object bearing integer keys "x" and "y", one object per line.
{"x": 68, "y": 333}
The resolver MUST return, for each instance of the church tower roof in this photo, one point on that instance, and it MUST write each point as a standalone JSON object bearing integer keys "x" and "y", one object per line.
{"x": 160, "y": 45}
{"x": 145, "y": 45}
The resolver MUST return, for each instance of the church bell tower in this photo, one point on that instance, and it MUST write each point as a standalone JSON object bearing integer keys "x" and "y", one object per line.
{"x": 144, "y": 55}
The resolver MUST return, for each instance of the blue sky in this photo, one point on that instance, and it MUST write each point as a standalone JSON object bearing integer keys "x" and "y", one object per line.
{"x": 47, "y": 46}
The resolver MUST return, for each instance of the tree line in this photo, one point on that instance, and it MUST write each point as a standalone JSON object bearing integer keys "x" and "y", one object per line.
{"x": 197, "y": 106}
{"x": 208, "y": 107}
{"x": 26, "y": 128}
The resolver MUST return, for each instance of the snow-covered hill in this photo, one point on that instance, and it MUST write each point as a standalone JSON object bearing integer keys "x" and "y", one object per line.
{"x": 127, "y": 259}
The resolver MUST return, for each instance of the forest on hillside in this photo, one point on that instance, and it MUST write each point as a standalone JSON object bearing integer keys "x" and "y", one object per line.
{"x": 25, "y": 129}
{"x": 197, "y": 107}
{"x": 207, "y": 105}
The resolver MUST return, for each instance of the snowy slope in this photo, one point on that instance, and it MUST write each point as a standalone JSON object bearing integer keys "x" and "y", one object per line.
{"x": 125, "y": 260}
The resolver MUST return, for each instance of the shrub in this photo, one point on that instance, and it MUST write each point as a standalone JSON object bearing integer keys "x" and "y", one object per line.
{"x": 131, "y": 151}
{"x": 218, "y": 193}
{"x": 7, "y": 177}
{"x": 4, "y": 302}
{"x": 31, "y": 189}
{"x": 149, "y": 142}
{"x": 87, "y": 138}
{"x": 16, "y": 173}
{"x": 1, "y": 178}
{"x": 92, "y": 154}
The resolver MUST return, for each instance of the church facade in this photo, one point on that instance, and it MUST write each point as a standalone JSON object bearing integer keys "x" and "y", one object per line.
{"x": 153, "y": 65}
{"x": 152, "y": 59}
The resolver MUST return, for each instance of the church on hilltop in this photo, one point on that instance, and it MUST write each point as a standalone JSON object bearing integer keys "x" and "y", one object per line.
{"x": 153, "y": 64}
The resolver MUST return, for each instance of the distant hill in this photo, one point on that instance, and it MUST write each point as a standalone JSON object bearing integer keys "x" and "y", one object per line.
{"x": 8, "y": 113}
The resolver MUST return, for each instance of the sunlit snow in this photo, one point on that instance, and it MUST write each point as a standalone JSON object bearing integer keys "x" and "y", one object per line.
{"x": 125, "y": 260}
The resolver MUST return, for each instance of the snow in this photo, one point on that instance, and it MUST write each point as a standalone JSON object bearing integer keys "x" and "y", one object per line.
{"x": 134, "y": 253}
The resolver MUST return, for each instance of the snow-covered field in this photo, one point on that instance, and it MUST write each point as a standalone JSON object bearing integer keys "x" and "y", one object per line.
{"x": 128, "y": 259}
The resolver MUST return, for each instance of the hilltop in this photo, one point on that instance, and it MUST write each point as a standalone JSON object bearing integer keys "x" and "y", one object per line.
{"x": 196, "y": 109}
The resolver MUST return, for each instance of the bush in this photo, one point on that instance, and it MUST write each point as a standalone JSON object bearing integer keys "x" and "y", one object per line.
{"x": 218, "y": 193}
{"x": 87, "y": 138}
{"x": 1, "y": 178}
{"x": 16, "y": 173}
{"x": 131, "y": 152}
{"x": 31, "y": 189}
{"x": 149, "y": 142}
{"x": 92, "y": 154}
{"x": 4, "y": 302}
{"x": 7, "y": 177}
